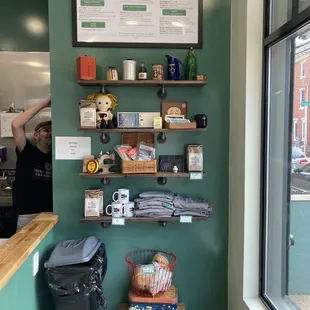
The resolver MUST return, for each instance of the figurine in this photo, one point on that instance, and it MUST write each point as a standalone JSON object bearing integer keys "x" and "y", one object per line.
{"x": 106, "y": 167}
{"x": 105, "y": 104}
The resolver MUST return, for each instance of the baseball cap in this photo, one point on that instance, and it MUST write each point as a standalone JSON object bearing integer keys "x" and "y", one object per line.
{"x": 43, "y": 125}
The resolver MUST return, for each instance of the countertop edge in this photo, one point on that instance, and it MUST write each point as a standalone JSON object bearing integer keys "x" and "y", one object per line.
{"x": 20, "y": 246}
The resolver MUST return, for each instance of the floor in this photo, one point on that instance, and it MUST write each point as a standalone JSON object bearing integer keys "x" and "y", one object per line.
{"x": 302, "y": 301}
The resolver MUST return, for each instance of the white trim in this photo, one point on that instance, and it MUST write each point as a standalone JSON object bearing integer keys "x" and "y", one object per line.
{"x": 303, "y": 130}
{"x": 302, "y": 66}
{"x": 302, "y": 90}
{"x": 295, "y": 121}
{"x": 244, "y": 158}
{"x": 300, "y": 197}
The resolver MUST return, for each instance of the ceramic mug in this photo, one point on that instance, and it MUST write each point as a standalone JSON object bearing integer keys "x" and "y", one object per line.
{"x": 122, "y": 196}
{"x": 117, "y": 209}
{"x": 129, "y": 209}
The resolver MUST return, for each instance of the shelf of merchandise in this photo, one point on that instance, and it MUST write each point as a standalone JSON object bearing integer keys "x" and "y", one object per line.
{"x": 161, "y": 176}
{"x": 147, "y": 83}
{"x": 161, "y": 133}
{"x": 161, "y": 93}
{"x": 106, "y": 221}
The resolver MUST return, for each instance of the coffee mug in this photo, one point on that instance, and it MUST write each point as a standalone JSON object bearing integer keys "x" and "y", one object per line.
{"x": 128, "y": 209}
{"x": 117, "y": 209}
{"x": 122, "y": 196}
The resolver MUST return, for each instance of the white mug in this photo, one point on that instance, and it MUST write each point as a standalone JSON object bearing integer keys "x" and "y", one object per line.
{"x": 129, "y": 209}
{"x": 117, "y": 209}
{"x": 122, "y": 196}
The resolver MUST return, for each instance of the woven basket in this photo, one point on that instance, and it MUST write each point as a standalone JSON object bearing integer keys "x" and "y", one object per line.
{"x": 138, "y": 166}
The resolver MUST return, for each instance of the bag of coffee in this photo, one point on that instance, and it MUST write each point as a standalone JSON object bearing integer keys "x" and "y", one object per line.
{"x": 194, "y": 158}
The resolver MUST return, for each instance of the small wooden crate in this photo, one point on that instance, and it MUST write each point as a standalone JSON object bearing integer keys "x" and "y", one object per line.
{"x": 138, "y": 166}
{"x": 191, "y": 125}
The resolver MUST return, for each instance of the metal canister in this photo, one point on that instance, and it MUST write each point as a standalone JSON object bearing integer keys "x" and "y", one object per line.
{"x": 129, "y": 69}
{"x": 157, "y": 72}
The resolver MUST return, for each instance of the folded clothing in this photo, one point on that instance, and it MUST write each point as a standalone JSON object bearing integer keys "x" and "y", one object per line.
{"x": 191, "y": 206}
{"x": 156, "y": 194}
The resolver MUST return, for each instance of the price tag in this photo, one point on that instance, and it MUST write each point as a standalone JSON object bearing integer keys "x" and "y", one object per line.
{"x": 148, "y": 269}
{"x": 118, "y": 221}
{"x": 195, "y": 175}
{"x": 186, "y": 219}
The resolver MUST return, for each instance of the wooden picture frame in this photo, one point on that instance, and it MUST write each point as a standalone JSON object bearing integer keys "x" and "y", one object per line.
{"x": 142, "y": 41}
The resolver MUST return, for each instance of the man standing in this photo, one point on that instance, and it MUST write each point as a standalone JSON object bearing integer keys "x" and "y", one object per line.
{"x": 33, "y": 167}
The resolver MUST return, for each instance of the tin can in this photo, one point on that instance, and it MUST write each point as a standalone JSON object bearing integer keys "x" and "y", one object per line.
{"x": 158, "y": 72}
{"x": 129, "y": 69}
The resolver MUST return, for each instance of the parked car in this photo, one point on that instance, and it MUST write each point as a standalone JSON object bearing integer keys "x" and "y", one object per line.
{"x": 298, "y": 158}
{"x": 300, "y": 179}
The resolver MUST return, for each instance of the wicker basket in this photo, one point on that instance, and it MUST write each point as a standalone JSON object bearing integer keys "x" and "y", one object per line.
{"x": 143, "y": 280}
{"x": 138, "y": 166}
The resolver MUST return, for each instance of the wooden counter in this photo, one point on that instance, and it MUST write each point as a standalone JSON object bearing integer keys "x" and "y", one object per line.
{"x": 17, "y": 249}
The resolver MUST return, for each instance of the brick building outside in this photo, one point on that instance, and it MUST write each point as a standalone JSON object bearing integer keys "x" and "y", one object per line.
{"x": 301, "y": 112}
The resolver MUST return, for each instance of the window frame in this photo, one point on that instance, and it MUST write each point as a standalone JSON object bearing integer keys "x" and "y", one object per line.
{"x": 298, "y": 21}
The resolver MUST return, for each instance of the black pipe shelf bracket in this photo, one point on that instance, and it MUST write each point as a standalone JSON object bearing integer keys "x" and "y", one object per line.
{"x": 105, "y": 225}
{"x": 162, "y": 93}
{"x": 105, "y": 138}
{"x": 161, "y": 138}
{"x": 105, "y": 181}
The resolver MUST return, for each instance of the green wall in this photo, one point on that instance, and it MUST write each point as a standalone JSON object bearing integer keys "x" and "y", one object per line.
{"x": 201, "y": 248}
{"x": 23, "y": 291}
{"x": 14, "y": 35}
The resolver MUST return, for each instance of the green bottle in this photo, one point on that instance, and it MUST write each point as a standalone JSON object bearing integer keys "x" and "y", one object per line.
{"x": 191, "y": 65}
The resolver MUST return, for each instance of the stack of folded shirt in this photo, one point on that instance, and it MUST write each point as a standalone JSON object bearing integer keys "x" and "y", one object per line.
{"x": 191, "y": 206}
{"x": 154, "y": 204}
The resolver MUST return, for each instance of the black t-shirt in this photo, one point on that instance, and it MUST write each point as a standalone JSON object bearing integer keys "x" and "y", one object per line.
{"x": 34, "y": 191}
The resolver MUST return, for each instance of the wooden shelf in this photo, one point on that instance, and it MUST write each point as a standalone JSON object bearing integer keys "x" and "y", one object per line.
{"x": 146, "y": 83}
{"x": 108, "y": 219}
{"x": 139, "y": 130}
{"x": 141, "y": 175}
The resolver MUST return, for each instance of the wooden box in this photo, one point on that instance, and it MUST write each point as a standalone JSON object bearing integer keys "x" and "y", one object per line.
{"x": 191, "y": 125}
{"x": 138, "y": 166}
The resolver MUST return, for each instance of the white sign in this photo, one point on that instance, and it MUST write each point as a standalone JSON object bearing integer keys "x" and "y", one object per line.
{"x": 118, "y": 221}
{"x": 186, "y": 219}
{"x": 72, "y": 147}
{"x": 136, "y": 21}
{"x": 6, "y": 122}
{"x": 195, "y": 175}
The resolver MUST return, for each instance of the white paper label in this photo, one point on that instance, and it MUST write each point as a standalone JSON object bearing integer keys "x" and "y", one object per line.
{"x": 118, "y": 221}
{"x": 186, "y": 219}
{"x": 196, "y": 176}
{"x": 142, "y": 75}
{"x": 72, "y": 147}
{"x": 148, "y": 269}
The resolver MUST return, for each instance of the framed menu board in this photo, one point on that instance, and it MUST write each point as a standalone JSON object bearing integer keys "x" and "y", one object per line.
{"x": 137, "y": 23}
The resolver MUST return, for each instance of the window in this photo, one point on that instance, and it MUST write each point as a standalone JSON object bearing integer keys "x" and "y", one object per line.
{"x": 302, "y": 69}
{"x": 295, "y": 129}
{"x": 302, "y": 99}
{"x": 303, "y": 4}
{"x": 285, "y": 187}
{"x": 303, "y": 129}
